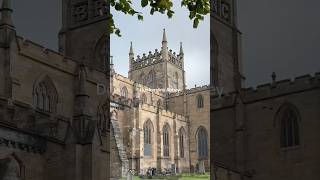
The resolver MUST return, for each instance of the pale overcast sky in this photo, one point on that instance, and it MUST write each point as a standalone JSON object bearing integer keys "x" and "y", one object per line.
{"x": 281, "y": 36}
{"x": 146, "y": 36}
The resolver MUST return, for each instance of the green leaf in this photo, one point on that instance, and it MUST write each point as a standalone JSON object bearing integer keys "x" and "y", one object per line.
{"x": 192, "y": 14}
{"x": 144, "y": 3}
{"x": 152, "y": 11}
{"x": 140, "y": 17}
{"x": 195, "y": 23}
{"x": 117, "y": 32}
{"x": 118, "y": 7}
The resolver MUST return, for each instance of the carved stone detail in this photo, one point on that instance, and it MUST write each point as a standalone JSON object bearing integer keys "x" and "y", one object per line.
{"x": 80, "y": 12}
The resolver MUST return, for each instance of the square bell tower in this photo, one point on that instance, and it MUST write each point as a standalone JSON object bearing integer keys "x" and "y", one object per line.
{"x": 226, "y": 65}
{"x": 84, "y": 33}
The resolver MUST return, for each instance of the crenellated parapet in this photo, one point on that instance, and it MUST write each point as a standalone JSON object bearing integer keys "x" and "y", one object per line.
{"x": 146, "y": 60}
{"x": 193, "y": 90}
{"x": 175, "y": 59}
{"x": 270, "y": 90}
{"x": 154, "y": 58}
{"x": 197, "y": 89}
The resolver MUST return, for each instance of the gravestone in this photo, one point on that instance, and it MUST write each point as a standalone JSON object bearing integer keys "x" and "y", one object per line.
{"x": 129, "y": 175}
{"x": 173, "y": 169}
{"x": 202, "y": 169}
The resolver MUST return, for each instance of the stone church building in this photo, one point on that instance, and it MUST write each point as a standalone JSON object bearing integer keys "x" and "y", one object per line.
{"x": 56, "y": 124}
{"x": 53, "y": 124}
{"x": 60, "y": 120}
{"x": 267, "y": 132}
{"x": 154, "y": 128}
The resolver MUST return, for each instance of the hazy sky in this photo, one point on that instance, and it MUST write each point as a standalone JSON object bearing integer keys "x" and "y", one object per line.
{"x": 281, "y": 36}
{"x": 146, "y": 36}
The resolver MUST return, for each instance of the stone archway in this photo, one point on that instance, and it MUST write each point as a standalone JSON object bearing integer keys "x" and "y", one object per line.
{"x": 12, "y": 168}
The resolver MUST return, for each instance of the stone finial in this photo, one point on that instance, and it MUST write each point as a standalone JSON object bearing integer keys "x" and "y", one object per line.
{"x": 6, "y": 13}
{"x": 181, "y": 49}
{"x": 164, "y": 36}
{"x": 164, "y": 48}
{"x": 131, "y": 49}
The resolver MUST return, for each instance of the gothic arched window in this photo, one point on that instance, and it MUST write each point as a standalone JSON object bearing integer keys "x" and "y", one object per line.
{"x": 202, "y": 143}
{"x": 124, "y": 92}
{"x": 144, "y": 99}
{"x": 142, "y": 78}
{"x": 150, "y": 79}
{"x": 176, "y": 80}
{"x": 289, "y": 126}
{"x": 45, "y": 96}
{"x": 182, "y": 142}
{"x": 12, "y": 168}
{"x": 200, "y": 101}
{"x": 147, "y": 132}
{"x": 101, "y": 53}
{"x": 166, "y": 146}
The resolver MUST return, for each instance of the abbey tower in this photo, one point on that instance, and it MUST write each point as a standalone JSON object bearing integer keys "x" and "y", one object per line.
{"x": 84, "y": 32}
{"x": 226, "y": 67}
{"x": 161, "y": 69}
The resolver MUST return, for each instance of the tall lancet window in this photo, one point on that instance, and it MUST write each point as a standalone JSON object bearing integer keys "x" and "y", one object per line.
{"x": 200, "y": 103}
{"x": 45, "y": 95}
{"x": 176, "y": 80}
{"x": 166, "y": 146}
{"x": 150, "y": 79}
{"x": 100, "y": 54}
{"x": 182, "y": 142}
{"x": 202, "y": 143}
{"x": 289, "y": 127}
{"x": 124, "y": 92}
{"x": 142, "y": 79}
{"x": 144, "y": 99}
{"x": 147, "y": 132}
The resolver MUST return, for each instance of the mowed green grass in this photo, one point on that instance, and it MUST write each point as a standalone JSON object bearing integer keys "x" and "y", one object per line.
{"x": 195, "y": 177}
{"x": 181, "y": 177}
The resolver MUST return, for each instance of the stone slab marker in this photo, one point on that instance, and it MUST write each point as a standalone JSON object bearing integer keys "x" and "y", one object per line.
{"x": 129, "y": 175}
{"x": 202, "y": 169}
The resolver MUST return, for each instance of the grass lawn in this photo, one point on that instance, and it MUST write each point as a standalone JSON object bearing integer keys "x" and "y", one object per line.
{"x": 182, "y": 177}
{"x": 194, "y": 177}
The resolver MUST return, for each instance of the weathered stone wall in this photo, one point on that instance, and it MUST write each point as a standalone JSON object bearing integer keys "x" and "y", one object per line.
{"x": 175, "y": 74}
{"x": 249, "y": 139}
{"x": 141, "y": 75}
{"x": 197, "y": 117}
{"x": 115, "y": 161}
{"x": 132, "y": 118}
{"x": 30, "y": 63}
